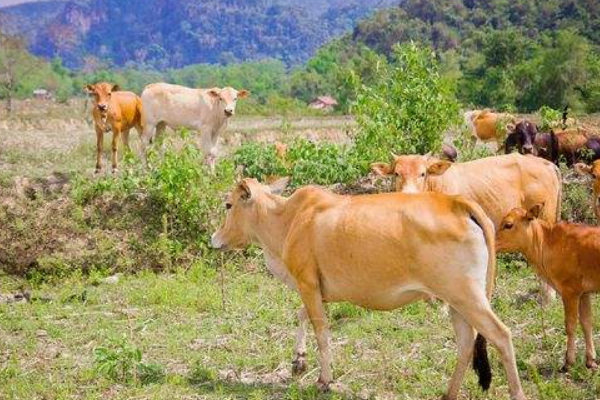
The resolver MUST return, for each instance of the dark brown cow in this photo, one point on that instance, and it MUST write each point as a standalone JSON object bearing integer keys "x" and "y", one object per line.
{"x": 115, "y": 111}
{"x": 567, "y": 256}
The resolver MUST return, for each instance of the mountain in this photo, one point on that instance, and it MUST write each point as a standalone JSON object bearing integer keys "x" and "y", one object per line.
{"x": 170, "y": 34}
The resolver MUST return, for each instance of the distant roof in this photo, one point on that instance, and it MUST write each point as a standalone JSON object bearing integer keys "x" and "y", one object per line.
{"x": 330, "y": 101}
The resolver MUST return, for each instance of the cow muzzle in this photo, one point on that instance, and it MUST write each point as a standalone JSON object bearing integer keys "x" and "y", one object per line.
{"x": 527, "y": 149}
{"x": 102, "y": 107}
{"x": 216, "y": 242}
{"x": 229, "y": 113}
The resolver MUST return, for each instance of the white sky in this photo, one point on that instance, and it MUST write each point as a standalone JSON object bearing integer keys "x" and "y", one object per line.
{"x": 11, "y": 2}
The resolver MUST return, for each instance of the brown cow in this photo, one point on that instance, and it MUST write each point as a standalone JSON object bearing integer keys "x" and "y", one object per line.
{"x": 498, "y": 184}
{"x": 380, "y": 252}
{"x": 488, "y": 126}
{"x": 117, "y": 111}
{"x": 593, "y": 171}
{"x": 567, "y": 256}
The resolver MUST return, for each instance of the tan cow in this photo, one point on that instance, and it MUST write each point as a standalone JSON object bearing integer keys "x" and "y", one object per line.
{"x": 593, "y": 171}
{"x": 498, "y": 184}
{"x": 568, "y": 257}
{"x": 488, "y": 126}
{"x": 117, "y": 111}
{"x": 379, "y": 252}
{"x": 204, "y": 110}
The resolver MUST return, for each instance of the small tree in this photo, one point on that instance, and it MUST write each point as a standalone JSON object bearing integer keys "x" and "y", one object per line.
{"x": 407, "y": 110}
{"x": 15, "y": 64}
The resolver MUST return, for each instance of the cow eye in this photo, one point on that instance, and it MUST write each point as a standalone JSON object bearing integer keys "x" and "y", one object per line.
{"x": 228, "y": 205}
{"x": 422, "y": 174}
{"x": 507, "y": 225}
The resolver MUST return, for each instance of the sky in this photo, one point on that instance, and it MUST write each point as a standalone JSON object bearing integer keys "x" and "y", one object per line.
{"x": 11, "y": 2}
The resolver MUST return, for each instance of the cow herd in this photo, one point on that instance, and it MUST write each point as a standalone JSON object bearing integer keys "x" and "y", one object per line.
{"x": 436, "y": 236}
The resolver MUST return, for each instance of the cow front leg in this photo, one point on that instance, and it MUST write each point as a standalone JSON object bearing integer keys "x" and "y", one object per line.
{"x": 313, "y": 302}
{"x": 586, "y": 320}
{"x": 116, "y": 134}
{"x": 99, "y": 148}
{"x": 571, "y": 304}
{"x": 547, "y": 293}
{"x": 299, "y": 364}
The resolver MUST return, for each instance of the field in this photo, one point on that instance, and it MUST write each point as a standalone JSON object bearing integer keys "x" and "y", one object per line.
{"x": 220, "y": 327}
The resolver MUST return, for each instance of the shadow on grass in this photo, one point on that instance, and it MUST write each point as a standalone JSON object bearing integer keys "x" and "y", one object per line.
{"x": 292, "y": 391}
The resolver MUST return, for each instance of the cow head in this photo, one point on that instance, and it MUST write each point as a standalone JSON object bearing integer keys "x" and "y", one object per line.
{"x": 594, "y": 172}
{"x": 516, "y": 231}
{"x": 523, "y": 136}
{"x": 227, "y": 98}
{"x": 411, "y": 172}
{"x": 243, "y": 206}
{"x": 101, "y": 93}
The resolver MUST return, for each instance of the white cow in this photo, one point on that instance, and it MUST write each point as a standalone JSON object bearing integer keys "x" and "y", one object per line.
{"x": 204, "y": 110}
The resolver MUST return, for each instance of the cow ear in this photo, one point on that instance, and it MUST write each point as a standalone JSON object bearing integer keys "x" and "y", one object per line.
{"x": 438, "y": 167}
{"x": 89, "y": 88}
{"x": 279, "y": 185}
{"x": 583, "y": 169}
{"x": 242, "y": 94}
{"x": 534, "y": 212}
{"x": 381, "y": 169}
{"x": 510, "y": 127}
{"x": 244, "y": 189}
{"x": 214, "y": 92}
{"x": 116, "y": 88}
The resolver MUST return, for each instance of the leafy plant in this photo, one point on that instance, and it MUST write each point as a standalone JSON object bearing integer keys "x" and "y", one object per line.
{"x": 122, "y": 362}
{"x": 407, "y": 110}
{"x": 549, "y": 117}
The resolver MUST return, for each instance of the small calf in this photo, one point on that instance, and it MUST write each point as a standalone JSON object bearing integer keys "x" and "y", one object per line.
{"x": 594, "y": 171}
{"x": 567, "y": 256}
{"x": 117, "y": 111}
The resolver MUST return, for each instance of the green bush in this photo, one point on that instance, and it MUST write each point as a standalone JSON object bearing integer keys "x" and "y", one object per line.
{"x": 548, "y": 116}
{"x": 407, "y": 109}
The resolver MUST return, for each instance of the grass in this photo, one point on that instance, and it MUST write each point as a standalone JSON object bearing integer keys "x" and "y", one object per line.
{"x": 240, "y": 345}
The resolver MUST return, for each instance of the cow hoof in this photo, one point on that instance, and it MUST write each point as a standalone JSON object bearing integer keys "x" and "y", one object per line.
{"x": 591, "y": 365}
{"x": 97, "y": 171}
{"x": 115, "y": 171}
{"x": 299, "y": 366}
{"x": 323, "y": 386}
{"x": 565, "y": 368}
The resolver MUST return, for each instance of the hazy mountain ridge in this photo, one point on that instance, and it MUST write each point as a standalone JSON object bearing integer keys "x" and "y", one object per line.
{"x": 166, "y": 34}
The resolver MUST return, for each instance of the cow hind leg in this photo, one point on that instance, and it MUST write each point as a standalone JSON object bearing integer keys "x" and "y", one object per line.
{"x": 571, "y": 305}
{"x": 465, "y": 337}
{"x": 476, "y": 310}
{"x": 585, "y": 317}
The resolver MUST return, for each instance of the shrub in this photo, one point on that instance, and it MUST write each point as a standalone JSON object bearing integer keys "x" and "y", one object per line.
{"x": 407, "y": 110}
{"x": 549, "y": 116}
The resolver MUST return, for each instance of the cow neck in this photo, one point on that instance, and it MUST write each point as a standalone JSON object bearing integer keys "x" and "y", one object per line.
{"x": 535, "y": 252}
{"x": 273, "y": 223}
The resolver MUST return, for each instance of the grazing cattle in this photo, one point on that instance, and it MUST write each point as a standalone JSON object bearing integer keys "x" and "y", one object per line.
{"x": 498, "y": 184}
{"x": 593, "y": 171}
{"x": 379, "y": 252}
{"x": 488, "y": 126}
{"x": 117, "y": 111}
{"x": 204, "y": 110}
{"x": 567, "y": 256}
{"x": 521, "y": 137}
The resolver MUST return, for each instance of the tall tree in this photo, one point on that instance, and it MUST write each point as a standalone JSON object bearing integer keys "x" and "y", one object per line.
{"x": 15, "y": 64}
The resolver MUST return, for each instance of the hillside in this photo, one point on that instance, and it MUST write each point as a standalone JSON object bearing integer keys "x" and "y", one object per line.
{"x": 164, "y": 34}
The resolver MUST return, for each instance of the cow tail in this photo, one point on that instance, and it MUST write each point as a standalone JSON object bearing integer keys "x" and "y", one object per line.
{"x": 140, "y": 111}
{"x": 559, "y": 195}
{"x": 481, "y": 362}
